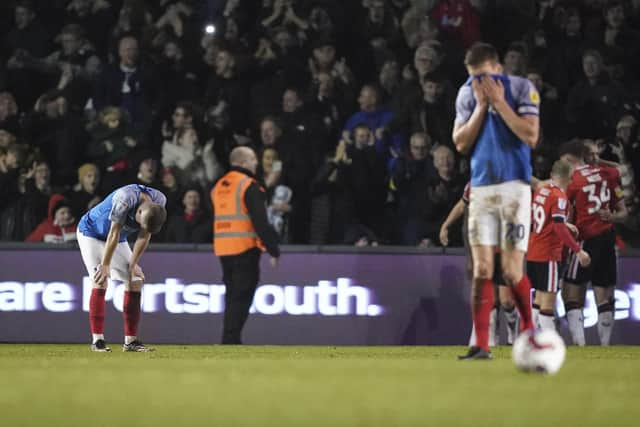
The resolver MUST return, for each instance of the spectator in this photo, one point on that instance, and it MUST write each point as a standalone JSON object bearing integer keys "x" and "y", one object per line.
{"x": 96, "y": 17}
{"x": 59, "y": 226}
{"x": 375, "y": 116}
{"x": 113, "y": 140}
{"x": 131, "y": 86}
{"x": 365, "y": 178}
{"x": 329, "y": 103}
{"x": 435, "y": 200}
{"x": 25, "y": 213}
{"x": 85, "y": 195}
{"x": 26, "y": 41}
{"x": 228, "y": 87}
{"x": 459, "y": 19}
{"x": 9, "y": 114}
{"x": 595, "y": 103}
{"x": 11, "y": 159}
{"x": 57, "y": 133}
{"x": 552, "y": 124}
{"x": 193, "y": 224}
{"x": 515, "y": 60}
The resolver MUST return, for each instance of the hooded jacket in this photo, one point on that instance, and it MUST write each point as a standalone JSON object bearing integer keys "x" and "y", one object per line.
{"x": 49, "y": 232}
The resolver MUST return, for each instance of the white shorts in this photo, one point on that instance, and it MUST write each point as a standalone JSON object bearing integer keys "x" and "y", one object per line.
{"x": 500, "y": 215}
{"x": 92, "y": 249}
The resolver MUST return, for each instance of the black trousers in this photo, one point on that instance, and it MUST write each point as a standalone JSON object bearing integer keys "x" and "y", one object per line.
{"x": 240, "y": 276}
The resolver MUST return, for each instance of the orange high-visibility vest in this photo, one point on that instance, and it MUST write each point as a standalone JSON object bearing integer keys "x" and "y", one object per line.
{"x": 233, "y": 231}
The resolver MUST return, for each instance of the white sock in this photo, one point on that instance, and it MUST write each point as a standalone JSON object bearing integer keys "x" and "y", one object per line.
{"x": 605, "y": 326}
{"x": 128, "y": 339}
{"x": 535, "y": 317}
{"x": 493, "y": 322}
{"x": 97, "y": 337}
{"x": 546, "y": 321}
{"x": 576, "y": 326}
{"x": 512, "y": 324}
{"x": 472, "y": 338}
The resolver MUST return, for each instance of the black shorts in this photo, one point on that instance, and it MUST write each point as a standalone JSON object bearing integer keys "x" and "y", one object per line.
{"x": 497, "y": 270}
{"x": 602, "y": 271}
{"x": 544, "y": 275}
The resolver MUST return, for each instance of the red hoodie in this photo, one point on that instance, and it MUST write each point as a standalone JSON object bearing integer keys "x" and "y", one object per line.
{"x": 48, "y": 232}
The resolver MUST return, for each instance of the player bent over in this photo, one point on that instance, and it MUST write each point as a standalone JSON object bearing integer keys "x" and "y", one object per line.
{"x": 102, "y": 237}
{"x": 548, "y": 235}
{"x": 497, "y": 123}
{"x": 596, "y": 194}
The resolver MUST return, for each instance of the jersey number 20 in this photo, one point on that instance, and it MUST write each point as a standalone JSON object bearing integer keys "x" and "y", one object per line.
{"x": 594, "y": 198}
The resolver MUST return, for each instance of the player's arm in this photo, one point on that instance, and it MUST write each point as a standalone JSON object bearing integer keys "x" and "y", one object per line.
{"x": 465, "y": 132}
{"x": 526, "y": 126}
{"x": 618, "y": 215}
{"x": 102, "y": 272}
{"x": 454, "y": 215}
{"x": 140, "y": 245}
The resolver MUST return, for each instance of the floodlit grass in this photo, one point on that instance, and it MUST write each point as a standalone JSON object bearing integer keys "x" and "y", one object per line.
{"x": 66, "y": 385}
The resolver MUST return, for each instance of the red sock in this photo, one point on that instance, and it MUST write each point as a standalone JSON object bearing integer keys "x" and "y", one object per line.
{"x": 131, "y": 312}
{"x": 522, "y": 296}
{"x": 96, "y": 310}
{"x": 481, "y": 307}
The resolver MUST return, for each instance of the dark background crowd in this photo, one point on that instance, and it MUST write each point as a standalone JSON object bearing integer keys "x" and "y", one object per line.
{"x": 349, "y": 105}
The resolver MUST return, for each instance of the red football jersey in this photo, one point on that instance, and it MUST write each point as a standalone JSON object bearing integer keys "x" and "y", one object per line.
{"x": 593, "y": 188}
{"x": 548, "y": 202}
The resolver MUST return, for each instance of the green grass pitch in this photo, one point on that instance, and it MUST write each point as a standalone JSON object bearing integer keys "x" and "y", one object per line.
{"x": 181, "y": 386}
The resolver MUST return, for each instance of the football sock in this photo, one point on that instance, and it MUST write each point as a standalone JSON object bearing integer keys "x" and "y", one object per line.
{"x": 472, "y": 338}
{"x": 131, "y": 313}
{"x": 493, "y": 323}
{"x": 96, "y": 313}
{"x": 522, "y": 296}
{"x": 576, "y": 325}
{"x": 535, "y": 315}
{"x": 605, "y": 322}
{"x": 481, "y": 307}
{"x": 511, "y": 316}
{"x": 546, "y": 320}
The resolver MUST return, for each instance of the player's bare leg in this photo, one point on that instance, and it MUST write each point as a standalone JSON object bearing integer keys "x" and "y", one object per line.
{"x": 573, "y": 296}
{"x": 482, "y": 300}
{"x": 96, "y": 316}
{"x": 131, "y": 314}
{"x": 605, "y": 300}
{"x": 547, "y": 301}
{"x": 513, "y": 275}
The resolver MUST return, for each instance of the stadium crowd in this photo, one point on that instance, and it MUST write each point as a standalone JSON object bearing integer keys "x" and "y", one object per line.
{"x": 349, "y": 104}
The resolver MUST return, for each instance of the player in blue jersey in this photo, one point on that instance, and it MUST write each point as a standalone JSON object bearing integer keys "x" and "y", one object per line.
{"x": 497, "y": 124}
{"x": 102, "y": 237}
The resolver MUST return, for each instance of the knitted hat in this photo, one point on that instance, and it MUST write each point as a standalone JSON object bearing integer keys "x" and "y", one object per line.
{"x": 85, "y": 169}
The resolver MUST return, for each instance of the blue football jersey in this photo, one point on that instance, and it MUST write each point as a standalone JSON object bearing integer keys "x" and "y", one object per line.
{"x": 499, "y": 155}
{"x": 120, "y": 206}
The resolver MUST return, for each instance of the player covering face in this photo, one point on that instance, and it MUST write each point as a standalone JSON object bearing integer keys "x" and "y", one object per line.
{"x": 497, "y": 124}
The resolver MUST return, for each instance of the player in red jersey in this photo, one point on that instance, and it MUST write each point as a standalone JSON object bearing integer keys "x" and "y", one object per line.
{"x": 597, "y": 199}
{"x": 548, "y": 235}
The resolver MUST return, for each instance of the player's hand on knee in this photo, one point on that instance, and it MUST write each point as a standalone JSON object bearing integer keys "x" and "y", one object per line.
{"x": 101, "y": 274}
{"x": 583, "y": 258}
{"x": 136, "y": 272}
{"x": 444, "y": 236}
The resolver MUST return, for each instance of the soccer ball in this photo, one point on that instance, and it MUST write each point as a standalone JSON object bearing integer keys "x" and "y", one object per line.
{"x": 540, "y": 351}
